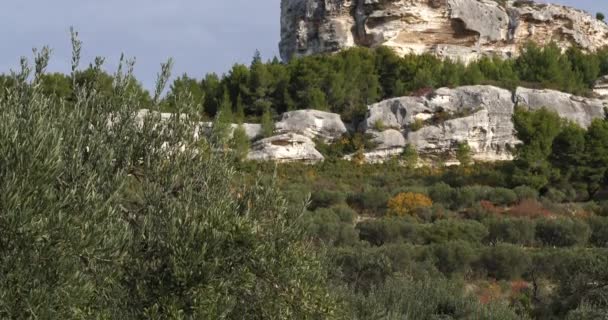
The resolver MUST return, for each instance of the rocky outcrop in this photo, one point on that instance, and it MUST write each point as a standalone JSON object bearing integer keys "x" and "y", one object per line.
{"x": 457, "y": 29}
{"x": 252, "y": 130}
{"x": 397, "y": 113}
{"x": 601, "y": 86}
{"x": 435, "y": 125}
{"x": 388, "y": 139}
{"x": 313, "y": 124}
{"x": 488, "y": 140}
{"x": 578, "y": 109}
{"x": 287, "y": 147}
{"x": 480, "y": 116}
{"x": 438, "y": 123}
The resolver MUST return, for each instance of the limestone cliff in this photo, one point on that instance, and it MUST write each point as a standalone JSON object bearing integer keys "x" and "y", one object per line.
{"x": 457, "y": 29}
{"x": 434, "y": 125}
{"x": 480, "y": 116}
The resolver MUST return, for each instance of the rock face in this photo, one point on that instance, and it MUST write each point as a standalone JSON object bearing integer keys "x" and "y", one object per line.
{"x": 388, "y": 139}
{"x": 480, "y": 116}
{"x": 578, "y": 109}
{"x": 287, "y": 147}
{"x": 396, "y": 113}
{"x": 477, "y": 115}
{"x": 313, "y": 124}
{"x": 436, "y": 124}
{"x": 457, "y": 29}
{"x": 601, "y": 86}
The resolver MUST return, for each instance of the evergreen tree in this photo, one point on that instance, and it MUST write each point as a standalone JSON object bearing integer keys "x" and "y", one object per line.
{"x": 240, "y": 142}
{"x": 596, "y": 155}
{"x": 184, "y": 88}
{"x": 239, "y": 117}
{"x": 212, "y": 91}
{"x": 568, "y": 151}
{"x": 222, "y": 125}
{"x": 586, "y": 67}
{"x": 267, "y": 124}
{"x": 260, "y": 84}
{"x": 464, "y": 154}
{"x": 537, "y": 131}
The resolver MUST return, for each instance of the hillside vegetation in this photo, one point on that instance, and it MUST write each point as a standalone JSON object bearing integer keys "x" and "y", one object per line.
{"x": 104, "y": 215}
{"x": 347, "y": 82}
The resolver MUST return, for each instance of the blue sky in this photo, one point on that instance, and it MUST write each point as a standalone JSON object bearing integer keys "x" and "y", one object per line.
{"x": 202, "y": 36}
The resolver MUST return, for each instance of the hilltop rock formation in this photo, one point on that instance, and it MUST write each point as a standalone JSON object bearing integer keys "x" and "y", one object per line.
{"x": 458, "y": 29}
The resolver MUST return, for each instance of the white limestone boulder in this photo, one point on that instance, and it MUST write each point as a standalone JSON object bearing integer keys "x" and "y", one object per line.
{"x": 288, "y": 147}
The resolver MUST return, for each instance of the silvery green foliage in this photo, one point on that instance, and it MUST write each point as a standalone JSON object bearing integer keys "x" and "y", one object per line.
{"x": 105, "y": 215}
{"x": 425, "y": 299}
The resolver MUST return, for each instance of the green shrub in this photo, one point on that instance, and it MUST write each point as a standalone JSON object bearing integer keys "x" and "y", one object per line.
{"x": 388, "y": 230}
{"x": 345, "y": 214}
{"x": 361, "y": 267}
{"x": 454, "y": 257}
{"x": 555, "y": 195}
{"x": 379, "y": 125}
{"x": 371, "y": 201}
{"x": 580, "y": 280}
{"x": 326, "y": 199}
{"x": 562, "y": 232}
{"x": 465, "y": 197}
{"x": 502, "y": 196}
{"x": 417, "y": 125}
{"x": 599, "y": 231}
{"x": 444, "y": 231}
{"x": 603, "y": 209}
{"x": 442, "y": 193}
{"x": 423, "y": 299}
{"x": 504, "y": 262}
{"x": 515, "y": 231}
{"x": 526, "y": 193}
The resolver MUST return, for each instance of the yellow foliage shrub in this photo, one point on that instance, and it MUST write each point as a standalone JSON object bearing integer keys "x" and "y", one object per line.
{"x": 406, "y": 203}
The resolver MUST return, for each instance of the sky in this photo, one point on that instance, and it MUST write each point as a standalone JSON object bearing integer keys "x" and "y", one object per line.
{"x": 200, "y": 35}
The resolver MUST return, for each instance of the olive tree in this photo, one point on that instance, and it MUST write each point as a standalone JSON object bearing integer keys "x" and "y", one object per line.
{"x": 110, "y": 213}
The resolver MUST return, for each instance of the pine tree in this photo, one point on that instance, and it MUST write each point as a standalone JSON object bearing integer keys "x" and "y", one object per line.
{"x": 260, "y": 84}
{"x": 267, "y": 124}
{"x": 240, "y": 111}
{"x": 222, "y": 125}
{"x": 240, "y": 142}
{"x": 537, "y": 130}
{"x": 464, "y": 154}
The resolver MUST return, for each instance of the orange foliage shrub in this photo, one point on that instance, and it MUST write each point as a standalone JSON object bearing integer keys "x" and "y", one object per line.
{"x": 518, "y": 286}
{"x": 530, "y": 209}
{"x": 406, "y": 203}
{"x": 490, "y": 207}
{"x": 493, "y": 292}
